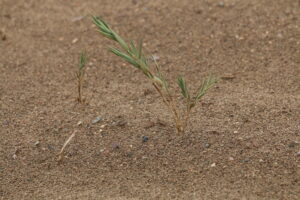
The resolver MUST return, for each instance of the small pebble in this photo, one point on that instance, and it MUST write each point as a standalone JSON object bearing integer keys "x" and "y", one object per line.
{"x": 155, "y": 57}
{"x": 145, "y": 138}
{"x": 279, "y": 35}
{"x": 96, "y": 120}
{"x": 231, "y": 158}
{"x": 235, "y": 132}
{"x": 206, "y": 145}
{"x": 74, "y": 40}
{"x": 37, "y": 143}
{"x": 115, "y": 146}
{"x": 291, "y": 145}
{"x": 75, "y": 19}
{"x": 130, "y": 154}
{"x": 50, "y": 147}
{"x": 79, "y": 123}
{"x": 213, "y": 165}
{"x": 221, "y": 4}
{"x": 245, "y": 160}
{"x": 298, "y": 153}
{"x": 103, "y": 126}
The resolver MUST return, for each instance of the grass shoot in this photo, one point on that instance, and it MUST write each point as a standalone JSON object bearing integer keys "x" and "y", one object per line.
{"x": 80, "y": 76}
{"x": 134, "y": 55}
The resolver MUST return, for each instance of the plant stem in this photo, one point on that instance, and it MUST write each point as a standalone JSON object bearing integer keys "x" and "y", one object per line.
{"x": 80, "y": 80}
{"x": 170, "y": 104}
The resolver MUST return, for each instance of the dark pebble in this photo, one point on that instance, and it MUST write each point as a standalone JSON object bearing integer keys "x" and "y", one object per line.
{"x": 116, "y": 146}
{"x": 292, "y": 144}
{"x": 130, "y": 154}
{"x": 145, "y": 138}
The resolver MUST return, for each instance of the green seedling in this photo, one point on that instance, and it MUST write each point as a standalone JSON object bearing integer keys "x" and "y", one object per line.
{"x": 134, "y": 55}
{"x": 80, "y": 76}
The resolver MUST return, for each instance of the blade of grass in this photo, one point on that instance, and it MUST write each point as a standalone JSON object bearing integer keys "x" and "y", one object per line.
{"x": 184, "y": 91}
{"x": 207, "y": 84}
{"x": 125, "y": 57}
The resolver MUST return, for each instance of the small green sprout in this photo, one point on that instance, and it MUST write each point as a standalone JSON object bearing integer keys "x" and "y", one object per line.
{"x": 134, "y": 55}
{"x": 80, "y": 76}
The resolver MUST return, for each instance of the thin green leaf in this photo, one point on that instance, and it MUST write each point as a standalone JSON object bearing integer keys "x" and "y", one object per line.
{"x": 125, "y": 57}
{"x": 158, "y": 81}
{"x": 133, "y": 49}
{"x": 101, "y": 24}
{"x": 103, "y": 27}
{"x": 140, "y": 49}
{"x": 206, "y": 85}
{"x": 182, "y": 85}
{"x": 82, "y": 60}
{"x": 109, "y": 36}
{"x": 157, "y": 66}
{"x": 120, "y": 40}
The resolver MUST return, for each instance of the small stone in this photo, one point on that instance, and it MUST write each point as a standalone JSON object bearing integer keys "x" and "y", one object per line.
{"x": 74, "y": 40}
{"x": 279, "y": 35}
{"x": 198, "y": 11}
{"x": 145, "y": 138}
{"x": 235, "y": 132}
{"x": 261, "y": 160}
{"x": 245, "y": 160}
{"x": 213, "y": 165}
{"x": 103, "y": 126}
{"x": 116, "y": 146}
{"x": 37, "y": 143}
{"x": 129, "y": 154}
{"x": 206, "y": 145}
{"x": 96, "y": 120}
{"x": 75, "y": 19}
{"x": 155, "y": 57}
{"x": 79, "y": 123}
{"x": 102, "y": 150}
{"x": 221, "y": 4}
{"x": 231, "y": 158}
{"x": 50, "y": 147}
{"x": 292, "y": 144}
{"x": 14, "y": 156}
{"x": 298, "y": 153}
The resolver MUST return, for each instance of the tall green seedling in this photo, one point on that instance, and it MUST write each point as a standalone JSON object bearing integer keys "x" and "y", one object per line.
{"x": 134, "y": 55}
